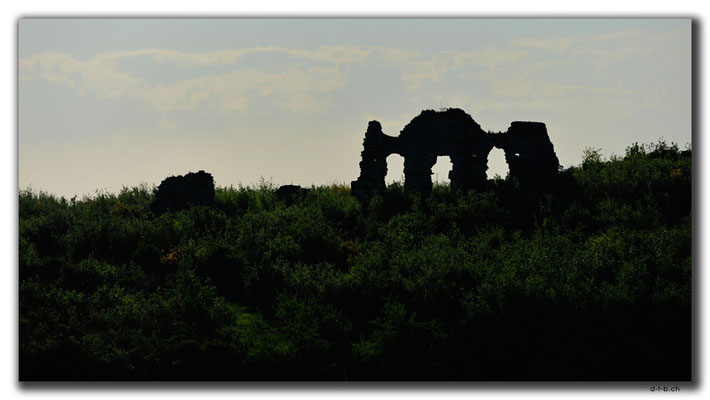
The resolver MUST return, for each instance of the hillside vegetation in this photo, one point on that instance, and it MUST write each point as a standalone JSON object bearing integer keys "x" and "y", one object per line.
{"x": 587, "y": 279}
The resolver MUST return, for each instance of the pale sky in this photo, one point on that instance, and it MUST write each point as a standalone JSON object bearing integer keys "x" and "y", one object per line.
{"x": 106, "y": 103}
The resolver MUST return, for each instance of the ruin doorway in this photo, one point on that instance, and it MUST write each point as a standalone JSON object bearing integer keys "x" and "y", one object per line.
{"x": 395, "y": 169}
{"x": 497, "y": 166}
{"x": 440, "y": 170}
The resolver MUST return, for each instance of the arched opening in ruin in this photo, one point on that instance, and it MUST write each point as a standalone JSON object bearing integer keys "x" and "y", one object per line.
{"x": 497, "y": 166}
{"x": 395, "y": 169}
{"x": 440, "y": 170}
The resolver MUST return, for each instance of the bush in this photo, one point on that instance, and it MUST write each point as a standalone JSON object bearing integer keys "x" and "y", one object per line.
{"x": 575, "y": 281}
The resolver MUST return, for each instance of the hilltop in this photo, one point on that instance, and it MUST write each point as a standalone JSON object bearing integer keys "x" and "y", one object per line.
{"x": 588, "y": 278}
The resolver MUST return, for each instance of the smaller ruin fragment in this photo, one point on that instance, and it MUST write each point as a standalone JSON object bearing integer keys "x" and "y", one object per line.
{"x": 177, "y": 193}
{"x": 528, "y": 151}
{"x": 290, "y": 193}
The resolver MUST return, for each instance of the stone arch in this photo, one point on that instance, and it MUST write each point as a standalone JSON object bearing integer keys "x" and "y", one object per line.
{"x": 528, "y": 151}
{"x": 450, "y": 133}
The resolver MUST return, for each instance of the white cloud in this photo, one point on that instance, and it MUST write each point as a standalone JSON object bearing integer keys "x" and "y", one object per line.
{"x": 299, "y": 84}
{"x": 294, "y": 87}
{"x": 305, "y": 75}
{"x": 232, "y": 91}
{"x": 526, "y": 70}
{"x": 95, "y": 74}
{"x": 594, "y": 73}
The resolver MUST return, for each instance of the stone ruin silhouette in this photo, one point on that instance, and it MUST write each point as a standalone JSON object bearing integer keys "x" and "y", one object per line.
{"x": 528, "y": 151}
{"x": 177, "y": 193}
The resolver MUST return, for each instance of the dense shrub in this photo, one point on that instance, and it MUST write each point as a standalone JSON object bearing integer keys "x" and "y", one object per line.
{"x": 589, "y": 278}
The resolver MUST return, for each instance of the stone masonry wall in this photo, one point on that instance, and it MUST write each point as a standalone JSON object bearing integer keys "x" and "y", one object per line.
{"x": 529, "y": 153}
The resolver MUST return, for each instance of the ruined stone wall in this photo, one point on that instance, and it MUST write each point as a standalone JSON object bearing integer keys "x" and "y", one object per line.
{"x": 373, "y": 167}
{"x": 529, "y": 152}
{"x": 180, "y": 192}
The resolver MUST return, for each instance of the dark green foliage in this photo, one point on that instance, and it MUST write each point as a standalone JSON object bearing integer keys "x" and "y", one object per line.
{"x": 586, "y": 278}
